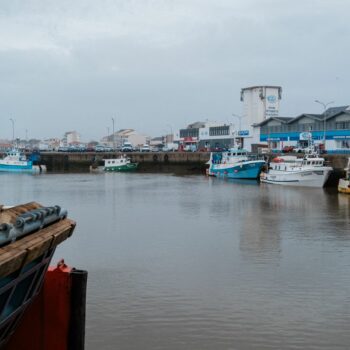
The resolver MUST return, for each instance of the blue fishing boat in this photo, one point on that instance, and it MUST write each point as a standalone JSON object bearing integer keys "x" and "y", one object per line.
{"x": 235, "y": 164}
{"x": 15, "y": 161}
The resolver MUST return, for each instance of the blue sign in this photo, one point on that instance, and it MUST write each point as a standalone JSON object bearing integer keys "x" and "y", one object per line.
{"x": 271, "y": 98}
{"x": 243, "y": 132}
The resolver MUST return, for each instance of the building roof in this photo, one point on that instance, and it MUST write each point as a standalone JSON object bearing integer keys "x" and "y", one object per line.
{"x": 261, "y": 86}
{"x": 333, "y": 111}
{"x": 283, "y": 120}
{"x": 196, "y": 125}
{"x": 328, "y": 114}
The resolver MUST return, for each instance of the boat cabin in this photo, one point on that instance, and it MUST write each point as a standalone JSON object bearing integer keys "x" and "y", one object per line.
{"x": 288, "y": 163}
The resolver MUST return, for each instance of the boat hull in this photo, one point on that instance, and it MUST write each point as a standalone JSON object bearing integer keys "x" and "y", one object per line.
{"x": 344, "y": 186}
{"x": 244, "y": 170}
{"x": 305, "y": 178}
{"x": 122, "y": 168}
{"x": 22, "y": 168}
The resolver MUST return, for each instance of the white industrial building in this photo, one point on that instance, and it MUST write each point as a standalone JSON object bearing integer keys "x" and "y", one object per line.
{"x": 259, "y": 103}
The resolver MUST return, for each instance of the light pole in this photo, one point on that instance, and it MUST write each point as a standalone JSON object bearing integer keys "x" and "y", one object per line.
{"x": 13, "y": 131}
{"x": 239, "y": 120}
{"x": 171, "y": 132}
{"x": 113, "y": 135}
{"x": 324, "y": 119}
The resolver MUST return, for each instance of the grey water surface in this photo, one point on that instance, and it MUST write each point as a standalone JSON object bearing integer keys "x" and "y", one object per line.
{"x": 200, "y": 263}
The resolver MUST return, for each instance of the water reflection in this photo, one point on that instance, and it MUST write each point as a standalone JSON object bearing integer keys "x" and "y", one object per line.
{"x": 197, "y": 263}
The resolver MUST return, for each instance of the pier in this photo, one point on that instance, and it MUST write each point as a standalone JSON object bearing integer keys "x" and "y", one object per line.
{"x": 153, "y": 161}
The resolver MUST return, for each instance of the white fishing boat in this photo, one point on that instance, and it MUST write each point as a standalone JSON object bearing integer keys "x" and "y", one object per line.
{"x": 344, "y": 183}
{"x": 309, "y": 171}
{"x": 15, "y": 161}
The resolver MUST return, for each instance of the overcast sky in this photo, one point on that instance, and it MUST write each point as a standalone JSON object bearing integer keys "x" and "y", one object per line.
{"x": 154, "y": 65}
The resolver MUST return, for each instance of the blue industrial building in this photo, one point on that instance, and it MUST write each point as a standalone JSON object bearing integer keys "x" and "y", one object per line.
{"x": 332, "y": 128}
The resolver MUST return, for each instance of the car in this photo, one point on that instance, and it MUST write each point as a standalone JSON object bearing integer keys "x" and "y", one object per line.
{"x": 127, "y": 147}
{"x": 100, "y": 148}
{"x": 145, "y": 148}
{"x": 62, "y": 149}
{"x": 288, "y": 149}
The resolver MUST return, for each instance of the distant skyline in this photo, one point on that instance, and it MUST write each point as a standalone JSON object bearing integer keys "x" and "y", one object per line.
{"x": 153, "y": 64}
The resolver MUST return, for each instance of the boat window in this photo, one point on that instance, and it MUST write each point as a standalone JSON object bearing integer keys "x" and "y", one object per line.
{"x": 308, "y": 163}
{"x": 229, "y": 154}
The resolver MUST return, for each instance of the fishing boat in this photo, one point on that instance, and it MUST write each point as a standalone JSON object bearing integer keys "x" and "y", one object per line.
{"x": 15, "y": 161}
{"x": 120, "y": 164}
{"x": 344, "y": 183}
{"x": 235, "y": 164}
{"x": 29, "y": 235}
{"x": 309, "y": 171}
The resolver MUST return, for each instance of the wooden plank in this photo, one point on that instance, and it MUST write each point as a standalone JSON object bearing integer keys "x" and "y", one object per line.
{"x": 25, "y": 250}
{"x": 11, "y": 262}
{"x": 38, "y": 249}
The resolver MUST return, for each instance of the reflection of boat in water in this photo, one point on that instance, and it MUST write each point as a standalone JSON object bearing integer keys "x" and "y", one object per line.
{"x": 14, "y": 161}
{"x": 120, "y": 164}
{"x": 234, "y": 164}
{"x": 344, "y": 183}
{"x": 290, "y": 170}
{"x": 29, "y": 235}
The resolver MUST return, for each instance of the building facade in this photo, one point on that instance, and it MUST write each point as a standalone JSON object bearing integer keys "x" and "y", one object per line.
{"x": 207, "y": 135}
{"x": 259, "y": 104}
{"x": 331, "y": 129}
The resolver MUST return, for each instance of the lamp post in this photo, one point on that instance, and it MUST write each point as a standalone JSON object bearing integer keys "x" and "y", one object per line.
{"x": 324, "y": 119}
{"x": 113, "y": 135}
{"x": 171, "y": 132}
{"x": 240, "y": 126}
{"x": 13, "y": 131}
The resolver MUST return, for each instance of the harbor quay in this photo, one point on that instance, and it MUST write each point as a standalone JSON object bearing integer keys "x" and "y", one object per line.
{"x": 178, "y": 162}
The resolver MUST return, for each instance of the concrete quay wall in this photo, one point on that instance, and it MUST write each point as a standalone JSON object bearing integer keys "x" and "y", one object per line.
{"x": 151, "y": 161}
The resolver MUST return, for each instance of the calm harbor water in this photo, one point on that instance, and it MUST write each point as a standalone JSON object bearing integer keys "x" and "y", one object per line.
{"x": 198, "y": 263}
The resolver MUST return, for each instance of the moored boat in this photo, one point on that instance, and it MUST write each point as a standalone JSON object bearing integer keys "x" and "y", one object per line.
{"x": 15, "y": 161}
{"x": 235, "y": 164}
{"x": 29, "y": 235}
{"x": 344, "y": 183}
{"x": 309, "y": 171}
{"x": 120, "y": 164}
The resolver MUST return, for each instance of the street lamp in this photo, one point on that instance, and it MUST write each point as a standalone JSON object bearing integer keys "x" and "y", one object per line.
{"x": 324, "y": 119}
{"x": 113, "y": 135}
{"x": 240, "y": 126}
{"x": 13, "y": 130}
{"x": 171, "y": 132}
